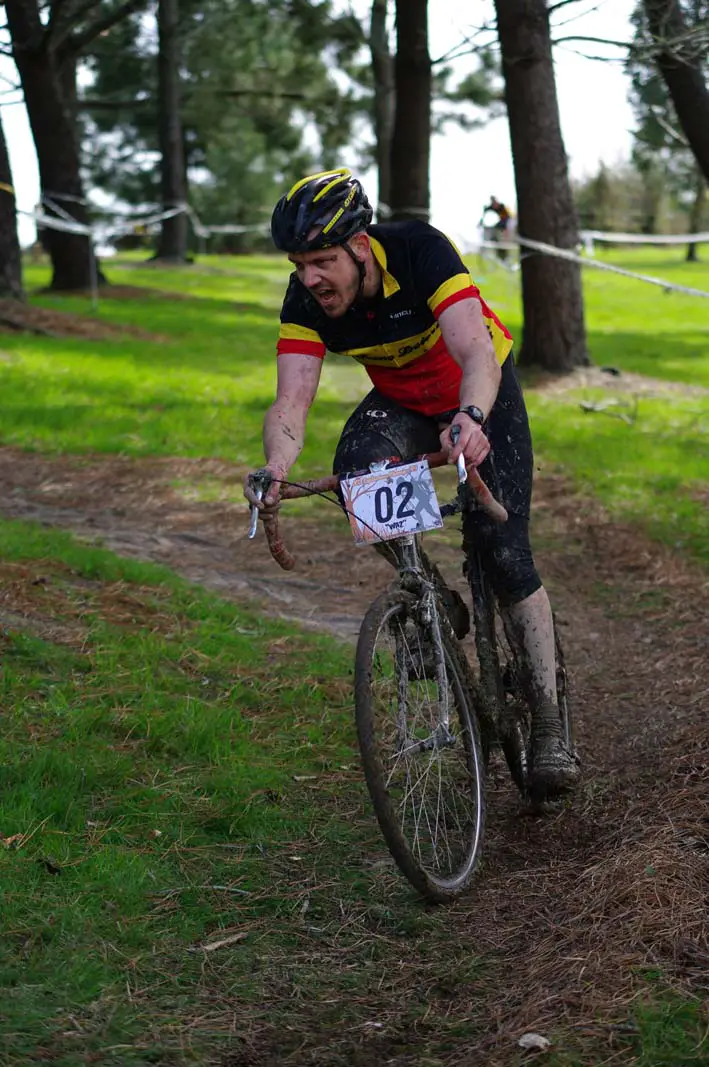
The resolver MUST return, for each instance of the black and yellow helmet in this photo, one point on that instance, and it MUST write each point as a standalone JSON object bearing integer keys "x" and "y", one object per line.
{"x": 332, "y": 202}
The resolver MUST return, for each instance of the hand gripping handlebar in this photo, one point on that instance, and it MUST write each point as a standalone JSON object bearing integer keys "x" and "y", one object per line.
{"x": 261, "y": 481}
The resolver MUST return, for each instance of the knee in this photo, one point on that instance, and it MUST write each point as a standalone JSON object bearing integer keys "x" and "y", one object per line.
{"x": 506, "y": 556}
{"x": 356, "y": 451}
{"x": 513, "y": 574}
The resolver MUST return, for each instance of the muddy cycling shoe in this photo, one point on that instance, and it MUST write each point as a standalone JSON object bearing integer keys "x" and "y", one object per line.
{"x": 554, "y": 771}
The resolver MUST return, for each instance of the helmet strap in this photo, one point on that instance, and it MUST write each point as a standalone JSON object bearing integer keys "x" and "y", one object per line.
{"x": 361, "y": 270}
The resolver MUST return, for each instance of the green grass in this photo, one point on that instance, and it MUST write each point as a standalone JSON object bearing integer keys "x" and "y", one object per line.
{"x": 667, "y": 1032}
{"x": 175, "y": 770}
{"x": 149, "y": 767}
{"x": 653, "y": 471}
{"x": 631, "y": 325}
{"x": 203, "y": 391}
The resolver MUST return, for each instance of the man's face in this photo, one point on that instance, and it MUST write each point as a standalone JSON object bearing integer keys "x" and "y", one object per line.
{"x": 330, "y": 275}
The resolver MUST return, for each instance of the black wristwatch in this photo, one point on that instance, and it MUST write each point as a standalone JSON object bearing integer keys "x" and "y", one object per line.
{"x": 474, "y": 413}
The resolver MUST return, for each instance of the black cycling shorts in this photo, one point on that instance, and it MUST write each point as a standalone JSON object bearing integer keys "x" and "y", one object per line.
{"x": 380, "y": 428}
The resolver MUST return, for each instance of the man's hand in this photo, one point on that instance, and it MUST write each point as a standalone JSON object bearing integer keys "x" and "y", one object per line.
{"x": 270, "y": 500}
{"x": 472, "y": 444}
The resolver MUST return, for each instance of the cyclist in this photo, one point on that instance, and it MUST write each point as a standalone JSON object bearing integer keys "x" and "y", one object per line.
{"x": 501, "y": 210}
{"x": 502, "y": 226}
{"x": 397, "y": 298}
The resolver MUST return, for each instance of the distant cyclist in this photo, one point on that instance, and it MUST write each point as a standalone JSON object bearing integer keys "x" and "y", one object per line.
{"x": 502, "y": 228}
{"x": 397, "y": 298}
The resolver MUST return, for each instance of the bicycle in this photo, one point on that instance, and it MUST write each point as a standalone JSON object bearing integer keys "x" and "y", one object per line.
{"x": 426, "y": 722}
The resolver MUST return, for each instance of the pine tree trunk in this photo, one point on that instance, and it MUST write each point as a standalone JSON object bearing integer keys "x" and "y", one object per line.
{"x": 173, "y": 234}
{"x": 54, "y": 131}
{"x": 411, "y": 139}
{"x": 680, "y": 58}
{"x": 696, "y": 216}
{"x": 10, "y": 261}
{"x": 383, "y": 73}
{"x": 554, "y": 335}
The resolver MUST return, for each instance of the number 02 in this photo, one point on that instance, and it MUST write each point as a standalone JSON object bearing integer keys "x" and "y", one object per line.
{"x": 384, "y": 502}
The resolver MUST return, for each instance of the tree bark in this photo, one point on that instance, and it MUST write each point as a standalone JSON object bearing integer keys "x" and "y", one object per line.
{"x": 173, "y": 184}
{"x": 383, "y": 72}
{"x": 10, "y": 260}
{"x": 679, "y": 60}
{"x": 54, "y": 131}
{"x": 411, "y": 138}
{"x": 554, "y": 335}
{"x": 696, "y": 215}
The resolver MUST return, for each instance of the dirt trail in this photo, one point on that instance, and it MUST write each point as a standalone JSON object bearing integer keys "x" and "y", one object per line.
{"x": 571, "y": 910}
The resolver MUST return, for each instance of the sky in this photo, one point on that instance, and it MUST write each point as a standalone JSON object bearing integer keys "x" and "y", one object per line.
{"x": 466, "y": 166}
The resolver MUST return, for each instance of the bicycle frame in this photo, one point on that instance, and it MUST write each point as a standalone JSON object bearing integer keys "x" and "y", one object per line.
{"x": 413, "y": 578}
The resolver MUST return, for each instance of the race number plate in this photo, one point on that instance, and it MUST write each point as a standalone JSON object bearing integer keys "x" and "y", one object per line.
{"x": 391, "y": 502}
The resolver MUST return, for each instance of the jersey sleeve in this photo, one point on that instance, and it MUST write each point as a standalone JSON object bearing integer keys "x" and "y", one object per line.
{"x": 440, "y": 275}
{"x": 297, "y": 332}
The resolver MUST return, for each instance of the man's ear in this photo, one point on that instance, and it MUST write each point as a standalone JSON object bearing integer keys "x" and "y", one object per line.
{"x": 360, "y": 245}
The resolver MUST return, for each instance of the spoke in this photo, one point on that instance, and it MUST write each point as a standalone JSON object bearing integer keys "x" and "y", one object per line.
{"x": 423, "y": 803}
{"x": 432, "y": 789}
{"x": 438, "y": 809}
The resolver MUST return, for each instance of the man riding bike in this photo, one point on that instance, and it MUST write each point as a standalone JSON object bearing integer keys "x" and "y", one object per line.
{"x": 397, "y": 298}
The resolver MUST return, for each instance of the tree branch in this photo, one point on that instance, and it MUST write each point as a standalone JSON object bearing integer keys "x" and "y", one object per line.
{"x": 561, "y": 3}
{"x": 594, "y": 40}
{"x": 89, "y": 103}
{"x": 466, "y": 44}
{"x": 75, "y": 44}
{"x": 669, "y": 130}
{"x": 59, "y": 28}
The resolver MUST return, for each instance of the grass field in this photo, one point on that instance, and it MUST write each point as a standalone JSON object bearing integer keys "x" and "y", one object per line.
{"x": 217, "y": 372}
{"x": 174, "y": 771}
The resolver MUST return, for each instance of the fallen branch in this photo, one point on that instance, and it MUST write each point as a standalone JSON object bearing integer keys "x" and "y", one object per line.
{"x": 601, "y": 407}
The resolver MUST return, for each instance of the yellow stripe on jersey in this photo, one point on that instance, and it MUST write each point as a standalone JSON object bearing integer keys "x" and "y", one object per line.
{"x": 289, "y": 331}
{"x": 389, "y": 282}
{"x": 449, "y": 287}
{"x": 397, "y": 353}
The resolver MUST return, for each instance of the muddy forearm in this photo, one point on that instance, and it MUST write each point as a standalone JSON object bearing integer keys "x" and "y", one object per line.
{"x": 283, "y": 435}
{"x": 480, "y": 382}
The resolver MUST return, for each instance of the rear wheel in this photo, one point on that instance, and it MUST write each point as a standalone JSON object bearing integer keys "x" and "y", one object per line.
{"x": 418, "y": 735}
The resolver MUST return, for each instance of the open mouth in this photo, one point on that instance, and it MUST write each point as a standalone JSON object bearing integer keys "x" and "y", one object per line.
{"x": 326, "y": 296}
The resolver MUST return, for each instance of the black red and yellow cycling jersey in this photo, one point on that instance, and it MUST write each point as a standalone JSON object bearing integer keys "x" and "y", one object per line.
{"x": 396, "y": 335}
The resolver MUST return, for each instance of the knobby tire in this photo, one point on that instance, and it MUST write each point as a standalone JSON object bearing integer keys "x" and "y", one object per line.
{"x": 379, "y": 716}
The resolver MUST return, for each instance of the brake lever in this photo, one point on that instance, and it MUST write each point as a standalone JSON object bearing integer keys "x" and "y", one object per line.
{"x": 260, "y": 482}
{"x": 460, "y": 462}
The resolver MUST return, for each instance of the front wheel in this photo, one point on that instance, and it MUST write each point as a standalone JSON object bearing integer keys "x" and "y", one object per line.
{"x": 420, "y": 745}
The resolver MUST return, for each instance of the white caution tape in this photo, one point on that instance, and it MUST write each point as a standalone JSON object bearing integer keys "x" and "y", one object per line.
{"x": 238, "y": 229}
{"x": 587, "y": 261}
{"x": 130, "y": 225}
{"x": 60, "y": 211}
{"x": 64, "y": 222}
{"x": 51, "y": 222}
{"x": 68, "y": 224}
{"x": 645, "y": 238}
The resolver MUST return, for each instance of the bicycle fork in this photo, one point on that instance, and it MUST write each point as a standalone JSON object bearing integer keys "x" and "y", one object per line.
{"x": 428, "y": 617}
